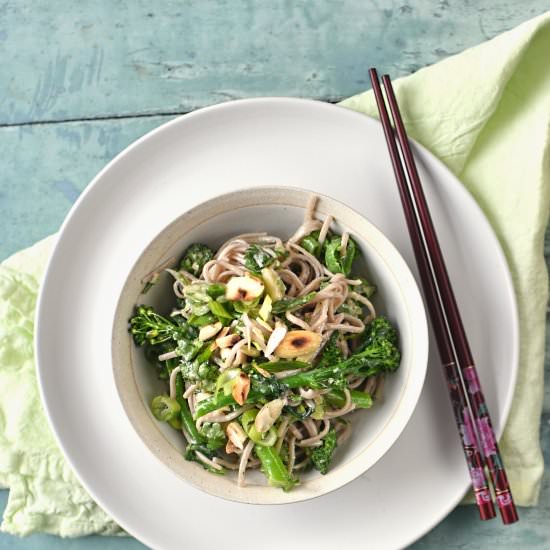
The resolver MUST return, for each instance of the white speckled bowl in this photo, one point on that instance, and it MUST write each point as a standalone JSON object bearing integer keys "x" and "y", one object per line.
{"x": 277, "y": 210}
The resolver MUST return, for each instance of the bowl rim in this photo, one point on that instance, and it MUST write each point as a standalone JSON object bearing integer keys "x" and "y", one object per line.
{"x": 156, "y": 445}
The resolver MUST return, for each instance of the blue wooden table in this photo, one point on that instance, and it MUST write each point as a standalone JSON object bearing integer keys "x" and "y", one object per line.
{"x": 80, "y": 81}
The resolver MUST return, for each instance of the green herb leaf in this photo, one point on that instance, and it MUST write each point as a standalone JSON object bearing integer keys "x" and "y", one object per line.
{"x": 290, "y": 304}
{"x": 256, "y": 258}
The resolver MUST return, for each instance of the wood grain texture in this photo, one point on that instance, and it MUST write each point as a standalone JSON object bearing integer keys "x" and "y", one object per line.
{"x": 64, "y": 60}
{"x": 49, "y": 165}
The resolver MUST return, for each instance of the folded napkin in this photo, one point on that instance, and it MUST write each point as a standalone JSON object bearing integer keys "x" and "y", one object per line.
{"x": 486, "y": 114}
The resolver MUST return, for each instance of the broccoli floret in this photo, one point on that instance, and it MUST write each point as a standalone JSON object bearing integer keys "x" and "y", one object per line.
{"x": 195, "y": 257}
{"x": 378, "y": 329}
{"x": 214, "y": 435}
{"x": 331, "y": 353}
{"x": 321, "y": 456}
{"x": 147, "y": 326}
{"x": 334, "y": 260}
{"x": 256, "y": 258}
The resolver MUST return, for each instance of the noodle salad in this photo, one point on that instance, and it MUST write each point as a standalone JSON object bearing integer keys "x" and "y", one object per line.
{"x": 270, "y": 346}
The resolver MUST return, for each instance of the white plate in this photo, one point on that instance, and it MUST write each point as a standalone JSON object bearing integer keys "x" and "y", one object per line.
{"x": 241, "y": 144}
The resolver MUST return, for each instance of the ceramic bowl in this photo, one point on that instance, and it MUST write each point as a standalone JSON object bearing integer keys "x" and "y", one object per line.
{"x": 279, "y": 211}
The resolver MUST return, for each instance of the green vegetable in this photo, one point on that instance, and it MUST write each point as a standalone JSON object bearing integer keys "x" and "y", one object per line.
{"x": 274, "y": 468}
{"x": 351, "y": 307}
{"x": 301, "y": 412}
{"x": 256, "y": 258}
{"x": 311, "y": 244}
{"x": 250, "y": 307}
{"x": 197, "y": 297}
{"x": 247, "y": 418}
{"x": 214, "y": 435}
{"x": 365, "y": 288}
{"x": 195, "y": 257}
{"x": 274, "y": 285}
{"x": 261, "y": 390}
{"x": 188, "y": 349}
{"x": 205, "y": 354}
{"x": 334, "y": 260}
{"x": 319, "y": 411}
{"x": 225, "y": 380}
{"x": 290, "y": 304}
{"x": 152, "y": 353}
{"x": 215, "y": 290}
{"x": 321, "y": 456}
{"x": 191, "y": 455}
{"x": 331, "y": 353}
{"x": 265, "y": 310}
{"x": 151, "y": 283}
{"x": 147, "y": 326}
{"x": 198, "y": 440}
{"x": 361, "y": 399}
{"x": 220, "y": 312}
{"x": 186, "y": 417}
{"x": 281, "y": 366}
{"x": 164, "y": 408}
{"x": 378, "y": 329}
{"x": 202, "y": 320}
{"x": 380, "y": 354}
{"x": 267, "y": 439}
{"x": 216, "y": 402}
{"x": 193, "y": 371}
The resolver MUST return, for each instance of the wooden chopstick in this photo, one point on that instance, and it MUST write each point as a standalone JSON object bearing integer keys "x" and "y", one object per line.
{"x": 461, "y": 409}
{"x": 459, "y": 339}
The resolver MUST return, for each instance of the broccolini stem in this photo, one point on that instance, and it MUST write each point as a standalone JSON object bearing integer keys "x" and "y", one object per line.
{"x": 220, "y": 400}
{"x": 360, "y": 399}
{"x": 186, "y": 416}
{"x": 274, "y": 468}
{"x": 214, "y": 403}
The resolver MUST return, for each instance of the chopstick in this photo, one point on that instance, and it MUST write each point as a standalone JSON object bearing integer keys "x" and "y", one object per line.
{"x": 468, "y": 403}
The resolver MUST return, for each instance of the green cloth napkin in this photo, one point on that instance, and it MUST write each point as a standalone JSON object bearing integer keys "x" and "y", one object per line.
{"x": 486, "y": 114}
{"x": 44, "y": 493}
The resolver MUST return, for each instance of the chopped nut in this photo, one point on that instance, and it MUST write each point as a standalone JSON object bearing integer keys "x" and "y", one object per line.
{"x": 297, "y": 343}
{"x": 209, "y": 331}
{"x": 268, "y": 415}
{"x": 236, "y": 434}
{"x": 243, "y": 288}
{"x": 276, "y": 338}
{"x": 227, "y": 341}
{"x": 241, "y": 387}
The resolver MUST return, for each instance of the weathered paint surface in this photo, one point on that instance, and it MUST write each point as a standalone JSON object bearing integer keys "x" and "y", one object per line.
{"x": 64, "y": 60}
{"x": 79, "y": 81}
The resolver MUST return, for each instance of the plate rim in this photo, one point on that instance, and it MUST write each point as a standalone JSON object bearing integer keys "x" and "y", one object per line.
{"x": 230, "y": 104}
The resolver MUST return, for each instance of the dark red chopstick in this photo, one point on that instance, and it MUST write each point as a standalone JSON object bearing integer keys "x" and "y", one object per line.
{"x": 463, "y": 418}
{"x": 469, "y": 374}
{"x": 461, "y": 407}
